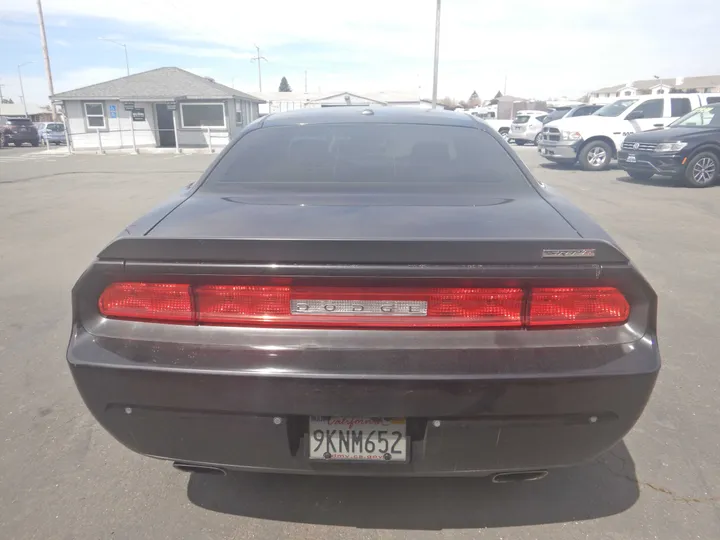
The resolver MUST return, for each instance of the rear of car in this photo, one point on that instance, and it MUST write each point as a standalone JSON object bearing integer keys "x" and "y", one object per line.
{"x": 378, "y": 293}
{"x": 18, "y": 131}
{"x": 52, "y": 133}
{"x": 526, "y": 128}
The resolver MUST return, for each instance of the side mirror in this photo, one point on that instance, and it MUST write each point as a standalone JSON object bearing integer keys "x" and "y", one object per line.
{"x": 635, "y": 115}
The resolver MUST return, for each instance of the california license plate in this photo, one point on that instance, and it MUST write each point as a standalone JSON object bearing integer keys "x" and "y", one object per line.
{"x": 339, "y": 438}
{"x": 631, "y": 158}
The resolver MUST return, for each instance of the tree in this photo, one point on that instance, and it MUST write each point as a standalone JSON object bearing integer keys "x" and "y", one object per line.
{"x": 494, "y": 100}
{"x": 449, "y": 103}
{"x": 284, "y": 86}
{"x": 9, "y": 101}
{"x": 474, "y": 100}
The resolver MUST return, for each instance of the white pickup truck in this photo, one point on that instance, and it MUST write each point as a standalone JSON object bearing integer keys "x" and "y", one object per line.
{"x": 594, "y": 140}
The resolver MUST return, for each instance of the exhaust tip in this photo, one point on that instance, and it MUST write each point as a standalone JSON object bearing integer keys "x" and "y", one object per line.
{"x": 523, "y": 476}
{"x": 200, "y": 469}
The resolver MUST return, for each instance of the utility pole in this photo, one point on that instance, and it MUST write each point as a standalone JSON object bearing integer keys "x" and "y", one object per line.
{"x": 505, "y": 86}
{"x": 306, "y": 81}
{"x": 127, "y": 63}
{"x": 437, "y": 56}
{"x": 46, "y": 55}
{"x": 22, "y": 91}
{"x": 1, "y": 99}
{"x": 258, "y": 59}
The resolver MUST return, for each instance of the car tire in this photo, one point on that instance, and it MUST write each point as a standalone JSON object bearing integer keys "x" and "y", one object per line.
{"x": 15, "y": 143}
{"x": 35, "y": 143}
{"x": 595, "y": 156}
{"x": 537, "y": 139}
{"x": 520, "y": 143}
{"x": 703, "y": 170}
{"x": 640, "y": 175}
{"x": 505, "y": 134}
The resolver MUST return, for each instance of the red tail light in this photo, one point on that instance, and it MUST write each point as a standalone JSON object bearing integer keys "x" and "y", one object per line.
{"x": 344, "y": 307}
{"x": 358, "y": 308}
{"x": 586, "y": 306}
{"x": 147, "y": 301}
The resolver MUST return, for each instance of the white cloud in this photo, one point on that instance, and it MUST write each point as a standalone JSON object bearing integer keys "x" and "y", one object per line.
{"x": 549, "y": 47}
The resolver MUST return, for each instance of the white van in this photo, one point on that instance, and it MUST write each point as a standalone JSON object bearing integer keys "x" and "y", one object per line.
{"x": 594, "y": 140}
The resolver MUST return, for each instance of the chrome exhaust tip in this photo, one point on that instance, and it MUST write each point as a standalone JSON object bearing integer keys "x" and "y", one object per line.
{"x": 522, "y": 476}
{"x": 200, "y": 469}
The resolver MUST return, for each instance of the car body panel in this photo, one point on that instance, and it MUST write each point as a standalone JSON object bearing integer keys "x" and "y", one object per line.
{"x": 475, "y": 401}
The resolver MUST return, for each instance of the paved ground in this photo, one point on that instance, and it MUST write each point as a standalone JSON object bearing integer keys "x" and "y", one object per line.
{"x": 62, "y": 477}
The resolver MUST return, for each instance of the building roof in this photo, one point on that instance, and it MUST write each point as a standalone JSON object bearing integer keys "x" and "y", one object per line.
{"x": 686, "y": 83}
{"x": 393, "y": 115}
{"x": 166, "y": 83}
{"x": 17, "y": 109}
{"x": 388, "y": 97}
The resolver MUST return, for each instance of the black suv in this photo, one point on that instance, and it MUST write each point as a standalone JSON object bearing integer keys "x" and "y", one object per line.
{"x": 689, "y": 149}
{"x": 18, "y": 131}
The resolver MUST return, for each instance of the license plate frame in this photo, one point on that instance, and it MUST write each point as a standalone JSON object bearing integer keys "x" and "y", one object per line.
{"x": 332, "y": 447}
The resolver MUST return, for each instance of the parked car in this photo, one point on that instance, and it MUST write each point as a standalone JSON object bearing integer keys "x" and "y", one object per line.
{"x": 594, "y": 140}
{"x": 380, "y": 292}
{"x": 503, "y": 126}
{"x": 526, "y": 128}
{"x": 51, "y": 132}
{"x": 581, "y": 110}
{"x": 688, "y": 149}
{"x": 18, "y": 131}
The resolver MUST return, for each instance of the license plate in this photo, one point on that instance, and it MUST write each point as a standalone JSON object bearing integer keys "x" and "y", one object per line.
{"x": 547, "y": 152}
{"x": 631, "y": 158}
{"x": 338, "y": 438}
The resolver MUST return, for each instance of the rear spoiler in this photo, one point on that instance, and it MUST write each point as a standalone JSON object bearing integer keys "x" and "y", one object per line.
{"x": 400, "y": 252}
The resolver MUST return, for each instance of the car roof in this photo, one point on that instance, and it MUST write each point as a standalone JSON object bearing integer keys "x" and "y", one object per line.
{"x": 365, "y": 115}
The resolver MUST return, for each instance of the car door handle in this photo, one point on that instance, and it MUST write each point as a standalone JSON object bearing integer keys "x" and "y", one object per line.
{"x": 658, "y": 125}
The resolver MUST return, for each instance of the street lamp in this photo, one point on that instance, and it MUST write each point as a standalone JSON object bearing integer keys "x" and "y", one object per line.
{"x": 437, "y": 55}
{"x": 127, "y": 64}
{"x": 22, "y": 91}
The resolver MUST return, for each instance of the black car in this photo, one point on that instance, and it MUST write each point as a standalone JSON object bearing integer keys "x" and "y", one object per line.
{"x": 688, "y": 149}
{"x": 18, "y": 131}
{"x": 366, "y": 292}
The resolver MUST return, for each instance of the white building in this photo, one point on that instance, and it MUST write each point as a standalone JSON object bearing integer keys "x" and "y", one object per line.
{"x": 709, "y": 83}
{"x": 163, "y": 107}
{"x": 288, "y": 101}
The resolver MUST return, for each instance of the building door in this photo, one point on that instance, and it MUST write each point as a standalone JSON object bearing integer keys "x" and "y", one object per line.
{"x": 165, "y": 125}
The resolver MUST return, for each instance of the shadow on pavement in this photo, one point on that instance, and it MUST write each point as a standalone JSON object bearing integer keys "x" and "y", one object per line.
{"x": 655, "y": 181}
{"x": 602, "y": 488}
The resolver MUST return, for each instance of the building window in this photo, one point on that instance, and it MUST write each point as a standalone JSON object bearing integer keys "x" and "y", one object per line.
{"x": 627, "y": 93}
{"x": 660, "y": 91}
{"x": 200, "y": 115}
{"x": 95, "y": 115}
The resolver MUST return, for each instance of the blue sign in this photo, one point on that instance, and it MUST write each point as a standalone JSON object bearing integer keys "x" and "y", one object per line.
{"x": 113, "y": 111}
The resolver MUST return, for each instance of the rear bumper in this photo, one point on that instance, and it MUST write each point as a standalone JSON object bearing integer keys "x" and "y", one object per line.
{"x": 667, "y": 165}
{"x": 488, "y": 423}
{"x": 21, "y": 137}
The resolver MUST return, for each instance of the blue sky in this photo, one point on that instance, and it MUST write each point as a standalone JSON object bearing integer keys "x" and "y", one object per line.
{"x": 547, "y": 48}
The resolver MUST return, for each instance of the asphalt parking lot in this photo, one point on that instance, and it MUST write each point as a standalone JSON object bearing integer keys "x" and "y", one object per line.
{"x": 63, "y": 477}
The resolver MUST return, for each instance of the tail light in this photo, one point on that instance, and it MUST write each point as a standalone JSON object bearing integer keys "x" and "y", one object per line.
{"x": 382, "y": 307}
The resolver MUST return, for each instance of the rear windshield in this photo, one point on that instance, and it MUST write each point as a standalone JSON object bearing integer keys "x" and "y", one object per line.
{"x": 55, "y": 127}
{"x": 334, "y": 155}
{"x": 521, "y": 119}
{"x": 20, "y": 121}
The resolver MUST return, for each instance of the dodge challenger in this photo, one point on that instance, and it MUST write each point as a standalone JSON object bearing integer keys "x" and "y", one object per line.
{"x": 366, "y": 292}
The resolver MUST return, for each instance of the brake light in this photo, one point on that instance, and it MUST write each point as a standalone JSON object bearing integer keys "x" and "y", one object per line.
{"x": 372, "y": 307}
{"x": 147, "y": 301}
{"x": 584, "y": 306}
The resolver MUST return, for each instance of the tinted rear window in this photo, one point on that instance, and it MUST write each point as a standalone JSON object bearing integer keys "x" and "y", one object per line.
{"x": 521, "y": 119}
{"x": 20, "y": 121}
{"x": 371, "y": 154}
